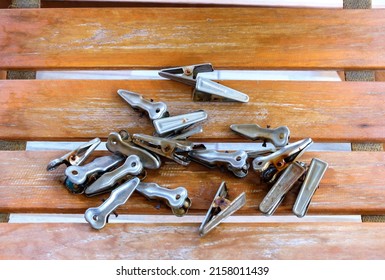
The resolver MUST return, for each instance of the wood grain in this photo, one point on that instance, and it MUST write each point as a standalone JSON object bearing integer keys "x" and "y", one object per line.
{"x": 3, "y": 75}
{"x": 245, "y": 38}
{"x": 380, "y": 76}
{"x": 353, "y": 184}
{"x": 175, "y": 241}
{"x": 79, "y": 110}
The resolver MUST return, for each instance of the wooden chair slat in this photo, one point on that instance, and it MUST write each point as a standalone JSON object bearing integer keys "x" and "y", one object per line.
{"x": 79, "y": 110}
{"x": 181, "y": 241}
{"x": 353, "y": 184}
{"x": 237, "y": 38}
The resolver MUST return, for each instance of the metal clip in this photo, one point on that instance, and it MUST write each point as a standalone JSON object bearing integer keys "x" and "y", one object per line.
{"x": 75, "y": 157}
{"x": 116, "y": 144}
{"x": 235, "y": 162}
{"x": 177, "y": 199}
{"x": 172, "y": 126}
{"x": 155, "y": 110}
{"x": 272, "y": 164}
{"x": 97, "y": 216}
{"x": 186, "y": 74}
{"x": 279, "y": 136}
{"x": 205, "y": 89}
{"x": 314, "y": 176}
{"x": 284, "y": 183}
{"x": 132, "y": 166}
{"x": 220, "y": 209}
{"x": 168, "y": 148}
{"x": 79, "y": 174}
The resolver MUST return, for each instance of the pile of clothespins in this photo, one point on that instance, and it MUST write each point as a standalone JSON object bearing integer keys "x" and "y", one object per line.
{"x": 122, "y": 172}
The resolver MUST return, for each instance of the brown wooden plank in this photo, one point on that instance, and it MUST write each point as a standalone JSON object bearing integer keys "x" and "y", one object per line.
{"x": 73, "y": 110}
{"x": 229, "y": 38}
{"x": 380, "y": 76}
{"x": 353, "y": 184}
{"x": 176, "y": 241}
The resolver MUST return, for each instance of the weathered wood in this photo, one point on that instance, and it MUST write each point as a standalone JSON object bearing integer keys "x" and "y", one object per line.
{"x": 176, "y": 241}
{"x": 353, "y": 184}
{"x": 229, "y": 38}
{"x": 73, "y": 109}
{"x": 380, "y": 76}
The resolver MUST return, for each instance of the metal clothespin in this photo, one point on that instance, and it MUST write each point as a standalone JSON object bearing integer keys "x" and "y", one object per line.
{"x": 169, "y": 148}
{"x": 279, "y": 136}
{"x": 155, "y": 110}
{"x": 269, "y": 166}
{"x": 132, "y": 166}
{"x": 75, "y": 157}
{"x": 220, "y": 209}
{"x": 205, "y": 89}
{"x": 78, "y": 177}
{"x": 278, "y": 191}
{"x": 235, "y": 162}
{"x": 173, "y": 126}
{"x": 122, "y": 145}
{"x": 312, "y": 180}
{"x": 177, "y": 199}
{"x": 78, "y": 174}
{"x": 97, "y": 216}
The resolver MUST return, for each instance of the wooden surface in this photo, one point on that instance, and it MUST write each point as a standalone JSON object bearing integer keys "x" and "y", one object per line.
{"x": 73, "y": 109}
{"x": 353, "y": 184}
{"x": 229, "y": 38}
{"x": 3, "y": 75}
{"x": 176, "y": 241}
{"x": 380, "y": 76}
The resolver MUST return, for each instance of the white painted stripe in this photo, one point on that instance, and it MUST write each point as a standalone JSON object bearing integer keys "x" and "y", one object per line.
{"x": 378, "y": 4}
{"x": 216, "y": 75}
{"x": 153, "y": 219}
{"x": 42, "y": 146}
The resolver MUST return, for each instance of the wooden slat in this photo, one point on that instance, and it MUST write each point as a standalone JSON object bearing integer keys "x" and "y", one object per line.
{"x": 229, "y": 38}
{"x": 74, "y": 110}
{"x": 353, "y": 184}
{"x": 176, "y": 241}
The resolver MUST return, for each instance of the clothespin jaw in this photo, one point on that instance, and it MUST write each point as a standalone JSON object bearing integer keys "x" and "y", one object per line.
{"x": 169, "y": 148}
{"x": 204, "y": 89}
{"x": 186, "y": 74}
{"x": 220, "y": 209}
{"x": 75, "y": 157}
